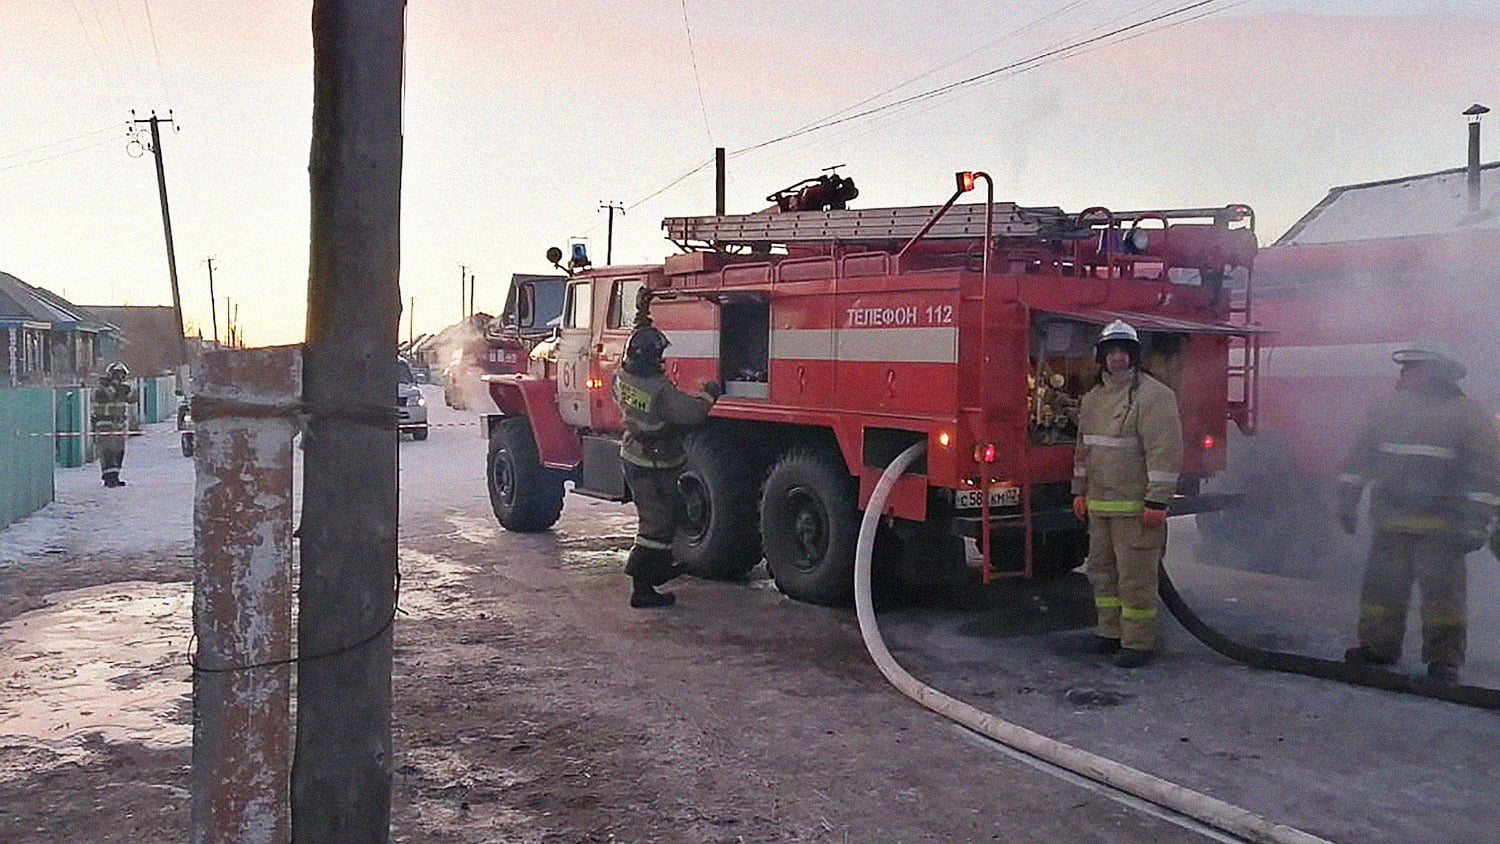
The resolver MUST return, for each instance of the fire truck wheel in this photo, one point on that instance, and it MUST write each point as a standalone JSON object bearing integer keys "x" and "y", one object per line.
{"x": 187, "y": 443}
{"x": 1059, "y": 552}
{"x": 717, "y": 537}
{"x": 809, "y": 525}
{"x": 526, "y": 496}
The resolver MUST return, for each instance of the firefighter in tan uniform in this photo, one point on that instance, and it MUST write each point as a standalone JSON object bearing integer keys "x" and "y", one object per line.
{"x": 1431, "y": 460}
{"x": 1124, "y": 474}
{"x": 658, "y": 417}
{"x": 111, "y": 418}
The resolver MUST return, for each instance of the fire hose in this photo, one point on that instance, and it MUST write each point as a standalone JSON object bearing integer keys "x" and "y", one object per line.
{"x": 1214, "y": 812}
{"x": 1328, "y": 669}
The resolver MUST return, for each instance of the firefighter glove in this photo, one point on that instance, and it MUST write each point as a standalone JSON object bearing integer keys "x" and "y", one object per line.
{"x": 1154, "y": 516}
{"x": 1080, "y": 507}
{"x": 714, "y": 389}
{"x": 1349, "y": 522}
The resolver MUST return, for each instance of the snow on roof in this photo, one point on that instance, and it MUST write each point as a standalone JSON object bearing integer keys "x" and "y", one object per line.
{"x": 1431, "y": 203}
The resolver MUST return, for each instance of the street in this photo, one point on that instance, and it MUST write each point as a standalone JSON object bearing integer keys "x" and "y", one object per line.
{"x": 532, "y": 705}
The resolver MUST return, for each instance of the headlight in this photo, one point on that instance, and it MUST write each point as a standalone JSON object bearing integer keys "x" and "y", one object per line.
{"x": 419, "y": 399}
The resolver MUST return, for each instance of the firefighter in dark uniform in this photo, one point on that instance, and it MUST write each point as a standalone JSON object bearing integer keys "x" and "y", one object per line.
{"x": 658, "y": 417}
{"x": 111, "y": 417}
{"x": 1431, "y": 459}
{"x": 1124, "y": 474}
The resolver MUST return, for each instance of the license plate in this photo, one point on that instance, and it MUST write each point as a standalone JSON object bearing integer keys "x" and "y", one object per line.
{"x": 1000, "y": 496}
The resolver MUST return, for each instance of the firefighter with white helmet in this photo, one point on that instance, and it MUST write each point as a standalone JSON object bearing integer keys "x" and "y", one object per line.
{"x": 1430, "y": 458}
{"x": 1124, "y": 474}
{"x": 657, "y": 419}
{"x": 112, "y": 400}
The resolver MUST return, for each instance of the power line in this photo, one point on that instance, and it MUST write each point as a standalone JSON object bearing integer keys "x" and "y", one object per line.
{"x": 155, "y": 48}
{"x": 114, "y": 127}
{"x": 1028, "y": 63}
{"x": 83, "y": 148}
{"x": 692, "y": 54}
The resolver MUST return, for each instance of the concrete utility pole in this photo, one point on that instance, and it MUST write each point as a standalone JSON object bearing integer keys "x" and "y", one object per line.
{"x": 166, "y": 222}
{"x": 213, "y": 307}
{"x": 609, "y": 238}
{"x": 245, "y": 406}
{"x": 341, "y": 778}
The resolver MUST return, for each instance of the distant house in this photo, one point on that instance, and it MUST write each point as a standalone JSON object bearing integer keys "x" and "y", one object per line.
{"x": 149, "y": 336}
{"x": 47, "y": 340}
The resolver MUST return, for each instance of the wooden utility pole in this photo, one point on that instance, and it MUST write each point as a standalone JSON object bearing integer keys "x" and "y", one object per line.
{"x": 609, "y": 237}
{"x": 341, "y": 777}
{"x": 166, "y": 222}
{"x": 463, "y": 291}
{"x": 213, "y": 307}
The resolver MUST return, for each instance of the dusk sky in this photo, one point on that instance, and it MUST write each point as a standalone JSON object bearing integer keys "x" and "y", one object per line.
{"x": 523, "y": 118}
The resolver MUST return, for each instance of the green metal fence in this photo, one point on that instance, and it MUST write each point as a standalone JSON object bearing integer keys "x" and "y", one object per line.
{"x": 26, "y": 452}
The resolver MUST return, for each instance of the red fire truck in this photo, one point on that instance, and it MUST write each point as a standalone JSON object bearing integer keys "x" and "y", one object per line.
{"x": 843, "y": 336}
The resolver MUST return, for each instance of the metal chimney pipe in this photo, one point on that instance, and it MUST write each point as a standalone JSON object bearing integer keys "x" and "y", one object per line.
{"x": 1473, "y": 112}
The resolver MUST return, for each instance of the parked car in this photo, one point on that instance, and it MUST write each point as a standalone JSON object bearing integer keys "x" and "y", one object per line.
{"x": 411, "y": 407}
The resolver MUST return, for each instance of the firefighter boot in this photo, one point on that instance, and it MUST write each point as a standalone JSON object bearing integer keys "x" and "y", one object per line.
{"x": 1437, "y": 672}
{"x": 1132, "y": 657}
{"x": 644, "y": 596}
{"x": 1361, "y": 655}
{"x": 1102, "y": 645}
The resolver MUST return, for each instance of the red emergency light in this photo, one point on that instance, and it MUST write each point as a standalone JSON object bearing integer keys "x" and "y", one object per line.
{"x": 984, "y": 453}
{"x": 1209, "y": 442}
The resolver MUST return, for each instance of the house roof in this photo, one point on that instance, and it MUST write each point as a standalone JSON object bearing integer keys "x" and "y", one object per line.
{"x": 22, "y": 302}
{"x": 150, "y": 335}
{"x": 1410, "y": 206}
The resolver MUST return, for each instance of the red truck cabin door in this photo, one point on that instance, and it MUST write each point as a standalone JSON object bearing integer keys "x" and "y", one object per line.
{"x": 574, "y": 338}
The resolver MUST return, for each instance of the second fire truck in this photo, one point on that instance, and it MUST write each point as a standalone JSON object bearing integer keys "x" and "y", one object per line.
{"x": 843, "y": 336}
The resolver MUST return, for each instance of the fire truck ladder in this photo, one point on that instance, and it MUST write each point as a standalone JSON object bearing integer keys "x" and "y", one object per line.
{"x": 761, "y": 232}
{"x": 1244, "y": 350}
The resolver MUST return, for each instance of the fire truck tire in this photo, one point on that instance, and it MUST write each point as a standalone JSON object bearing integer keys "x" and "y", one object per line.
{"x": 1059, "y": 552}
{"x": 526, "y": 496}
{"x": 718, "y": 537}
{"x": 187, "y": 443}
{"x": 809, "y": 525}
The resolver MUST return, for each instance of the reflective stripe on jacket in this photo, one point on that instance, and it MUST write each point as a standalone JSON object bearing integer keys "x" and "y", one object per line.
{"x": 1431, "y": 459}
{"x": 1129, "y": 444}
{"x": 657, "y": 418}
{"x": 111, "y": 406}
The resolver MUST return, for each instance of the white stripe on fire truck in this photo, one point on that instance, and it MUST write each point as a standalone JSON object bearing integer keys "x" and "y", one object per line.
{"x": 932, "y": 344}
{"x": 693, "y": 343}
{"x": 929, "y": 344}
{"x": 1418, "y": 450}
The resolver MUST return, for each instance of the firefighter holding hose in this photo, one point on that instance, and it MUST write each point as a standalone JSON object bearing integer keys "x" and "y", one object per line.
{"x": 1124, "y": 474}
{"x": 1431, "y": 459}
{"x": 658, "y": 417}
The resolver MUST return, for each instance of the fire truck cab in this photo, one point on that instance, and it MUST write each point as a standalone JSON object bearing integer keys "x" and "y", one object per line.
{"x": 844, "y": 336}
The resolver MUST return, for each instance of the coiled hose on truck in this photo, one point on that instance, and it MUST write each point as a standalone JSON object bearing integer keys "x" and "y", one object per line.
{"x": 1328, "y": 669}
{"x": 1209, "y": 810}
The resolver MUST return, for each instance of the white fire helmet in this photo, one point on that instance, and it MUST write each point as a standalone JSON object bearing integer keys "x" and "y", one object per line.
{"x": 1417, "y": 351}
{"x": 1119, "y": 330}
